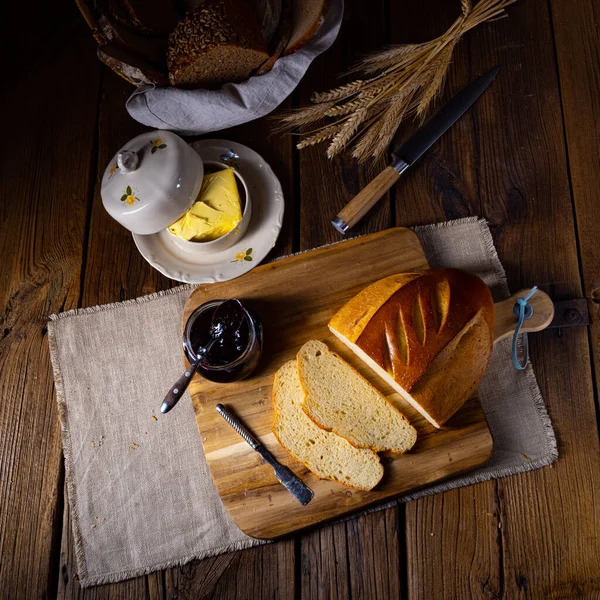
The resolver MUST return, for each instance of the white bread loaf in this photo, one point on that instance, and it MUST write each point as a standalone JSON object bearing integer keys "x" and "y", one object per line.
{"x": 429, "y": 335}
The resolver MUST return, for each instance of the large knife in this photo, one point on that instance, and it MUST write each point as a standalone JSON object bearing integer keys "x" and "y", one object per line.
{"x": 288, "y": 479}
{"x": 411, "y": 150}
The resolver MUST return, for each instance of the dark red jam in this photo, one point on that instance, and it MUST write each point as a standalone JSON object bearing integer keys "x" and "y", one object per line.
{"x": 237, "y": 351}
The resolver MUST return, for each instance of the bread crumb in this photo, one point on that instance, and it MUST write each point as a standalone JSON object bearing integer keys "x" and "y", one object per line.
{"x": 432, "y": 534}
{"x": 94, "y": 526}
{"x": 154, "y": 418}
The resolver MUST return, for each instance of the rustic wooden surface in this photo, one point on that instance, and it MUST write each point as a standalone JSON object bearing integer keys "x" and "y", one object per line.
{"x": 527, "y": 157}
{"x": 304, "y": 304}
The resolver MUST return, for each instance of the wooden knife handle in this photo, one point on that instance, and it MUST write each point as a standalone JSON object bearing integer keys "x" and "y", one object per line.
{"x": 505, "y": 321}
{"x": 358, "y": 207}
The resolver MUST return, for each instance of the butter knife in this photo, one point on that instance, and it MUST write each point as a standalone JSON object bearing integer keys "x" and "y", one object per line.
{"x": 291, "y": 482}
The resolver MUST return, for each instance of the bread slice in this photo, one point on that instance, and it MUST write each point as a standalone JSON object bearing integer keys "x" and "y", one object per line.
{"x": 428, "y": 335}
{"x": 268, "y": 13}
{"x": 326, "y": 454}
{"x": 280, "y": 40}
{"x": 341, "y": 400}
{"x": 307, "y": 18}
{"x": 219, "y": 42}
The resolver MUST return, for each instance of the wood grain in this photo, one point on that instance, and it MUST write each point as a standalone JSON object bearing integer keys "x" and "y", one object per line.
{"x": 577, "y": 42}
{"x": 42, "y": 222}
{"x": 533, "y": 536}
{"x": 296, "y": 308}
{"x": 444, "y": 185}
{"x": 324, "y": 188}
{"x": 527, "y": 199}
{"x": 504, "y": 317}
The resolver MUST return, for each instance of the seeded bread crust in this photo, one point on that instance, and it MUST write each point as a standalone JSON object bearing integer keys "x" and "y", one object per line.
{"x": 217, "y": 43}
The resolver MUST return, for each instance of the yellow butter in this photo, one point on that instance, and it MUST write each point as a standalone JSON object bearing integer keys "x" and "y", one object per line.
{"x": 216, "y": 212}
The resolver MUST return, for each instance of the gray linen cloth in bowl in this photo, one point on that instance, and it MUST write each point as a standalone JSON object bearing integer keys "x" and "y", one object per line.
{"x": 194, "y": 112}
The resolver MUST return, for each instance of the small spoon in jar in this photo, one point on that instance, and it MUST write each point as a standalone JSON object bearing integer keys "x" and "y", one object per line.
{"x": 226, "y": 319}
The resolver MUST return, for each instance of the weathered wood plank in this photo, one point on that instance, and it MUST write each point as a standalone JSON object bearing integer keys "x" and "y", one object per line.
{"x": 263, "y": 572}
{"x": 45, "y": 161}
{"x": 334, "y": 561}
{"x": 452, "y": 541}
{"x": 326, "y": 186}
{"x": 551, "y": 517}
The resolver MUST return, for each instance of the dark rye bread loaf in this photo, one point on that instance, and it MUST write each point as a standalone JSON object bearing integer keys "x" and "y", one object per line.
{"x": 219, "y": 42}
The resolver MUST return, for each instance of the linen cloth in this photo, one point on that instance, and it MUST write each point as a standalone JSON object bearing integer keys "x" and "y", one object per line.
{"x": 194, "y": 112}
{"x": 140, "y": 492}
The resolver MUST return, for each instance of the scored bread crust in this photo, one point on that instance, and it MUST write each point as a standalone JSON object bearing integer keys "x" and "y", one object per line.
{"x": 333, "y": 477}
{"x": 353, "y": 317}
{"x": 446, "y": 320}
{"x": 376, "y": 448}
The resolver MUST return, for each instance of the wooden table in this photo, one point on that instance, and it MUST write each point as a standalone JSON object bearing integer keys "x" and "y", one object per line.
{"x": 526, "y": 157}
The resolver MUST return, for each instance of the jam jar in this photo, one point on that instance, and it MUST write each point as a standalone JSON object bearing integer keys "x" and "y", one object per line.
{"x": 231, "y": 358}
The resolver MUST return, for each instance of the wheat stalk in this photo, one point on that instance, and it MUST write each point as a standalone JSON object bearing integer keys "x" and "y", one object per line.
{"x": 398, "y": 82}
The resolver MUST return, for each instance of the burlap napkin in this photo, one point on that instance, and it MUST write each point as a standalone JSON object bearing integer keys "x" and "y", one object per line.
{"x": 140, "y": 493}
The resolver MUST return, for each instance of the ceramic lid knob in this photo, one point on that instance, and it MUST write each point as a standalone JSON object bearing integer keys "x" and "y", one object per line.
{"x": 127, "y": 161}
{"x": 152, "y": 181}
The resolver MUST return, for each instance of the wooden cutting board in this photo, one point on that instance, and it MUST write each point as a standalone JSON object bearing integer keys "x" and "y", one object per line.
{"x": 295, "y": 299}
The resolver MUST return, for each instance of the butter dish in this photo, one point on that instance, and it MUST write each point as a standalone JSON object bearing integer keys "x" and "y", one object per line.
{"x": 151, "y": 181}
{"x": 242, "y": 249}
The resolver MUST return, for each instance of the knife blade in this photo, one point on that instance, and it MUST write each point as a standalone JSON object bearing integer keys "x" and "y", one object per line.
{"x": 288, "y": 479}
{"x": 411, "y": 150}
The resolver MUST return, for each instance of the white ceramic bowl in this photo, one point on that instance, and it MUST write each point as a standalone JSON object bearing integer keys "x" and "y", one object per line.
{"x": 235, "y": 235}
{"x": 153, "y": 180}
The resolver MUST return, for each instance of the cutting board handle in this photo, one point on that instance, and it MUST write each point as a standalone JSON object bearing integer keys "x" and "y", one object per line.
{"x": 505, "y": 321}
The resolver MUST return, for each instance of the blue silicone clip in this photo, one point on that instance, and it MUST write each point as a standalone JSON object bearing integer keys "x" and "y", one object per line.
{"x": 525, "y": 311}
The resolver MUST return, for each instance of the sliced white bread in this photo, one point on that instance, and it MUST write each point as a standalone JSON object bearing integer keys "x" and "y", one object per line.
{"x": 339, "y": 399}
{"x": 326, "y": 454}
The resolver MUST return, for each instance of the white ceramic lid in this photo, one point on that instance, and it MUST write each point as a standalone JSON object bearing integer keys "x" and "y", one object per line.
{"x": 151, "y": 182}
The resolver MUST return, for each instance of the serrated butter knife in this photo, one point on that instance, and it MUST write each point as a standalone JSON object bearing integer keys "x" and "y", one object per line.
{"x": 291, "y": 482}
{"x": 411, "y": 150}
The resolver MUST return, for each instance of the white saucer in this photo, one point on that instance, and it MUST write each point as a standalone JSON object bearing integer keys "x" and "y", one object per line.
{"x": 262, "y": 233}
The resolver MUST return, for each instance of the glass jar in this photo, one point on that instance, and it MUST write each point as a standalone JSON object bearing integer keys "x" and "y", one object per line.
{"x": 232, "y": 360}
